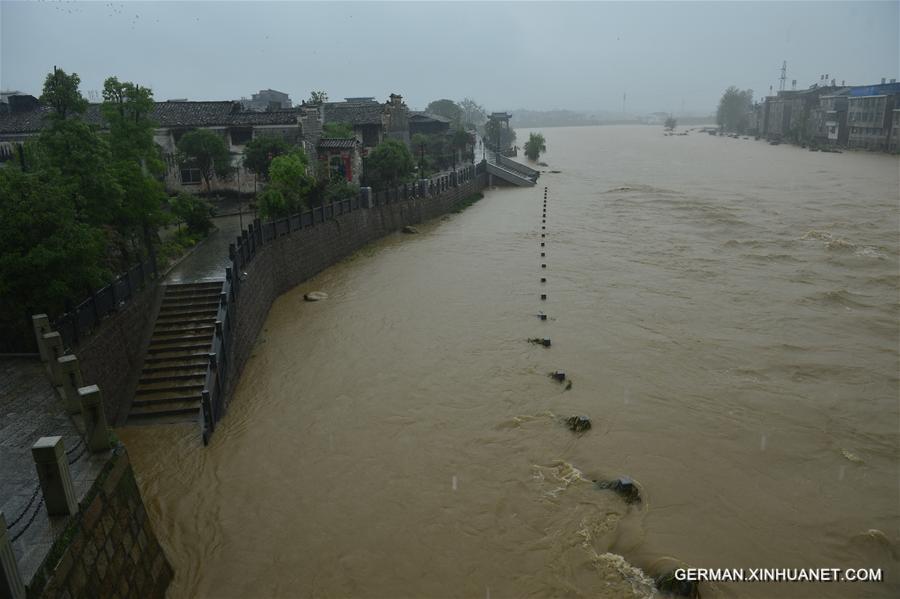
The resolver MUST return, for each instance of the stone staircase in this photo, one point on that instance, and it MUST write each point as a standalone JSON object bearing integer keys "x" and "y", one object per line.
{"x": 175, "y": 363}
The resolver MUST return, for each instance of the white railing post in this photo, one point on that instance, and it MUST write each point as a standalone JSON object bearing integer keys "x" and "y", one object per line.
{"x": 11, "y": 584}
{"x": 53, "y": 471}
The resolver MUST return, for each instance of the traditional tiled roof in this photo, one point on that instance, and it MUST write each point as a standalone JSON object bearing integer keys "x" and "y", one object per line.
{"x": 165, "y": 114}
{"x": 275, "y": 117}
{"x": 354, "y": 113}
{"x": 423, "y": 116}
{"x": 334, "y": 143}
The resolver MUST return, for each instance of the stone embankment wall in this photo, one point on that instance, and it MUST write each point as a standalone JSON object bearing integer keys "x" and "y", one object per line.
{"x": 108, "y": 549}
{"x": 287, "y": 261}
{"x": 113, "y": 355}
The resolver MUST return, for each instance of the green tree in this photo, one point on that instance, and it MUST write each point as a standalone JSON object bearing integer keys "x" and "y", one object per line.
{"x": 389, "y": 164}
{"x": 47, "y": 255}
{"x": 205, "y": 150}
{"x": 448, "y": 109}
{"x": 495, "y": 131}
{"x": 535, "y": 146}
{"x": 734, "y": 109}
{"x": 259, "y": 153}
{"x": 289, "y": 187}
{"x": 62, "y": 95}
{"x": 136, "y": 164}
{"x": 473, "y": 114}
{"x": 338, "y": 130}
{"x": 671, "y": 123}
{"x": 317, "y": 97}
{"x": 194, "y": 212}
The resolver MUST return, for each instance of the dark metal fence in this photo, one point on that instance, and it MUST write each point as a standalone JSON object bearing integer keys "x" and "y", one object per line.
{"x": 80, "y": 320}
{"x": 242, "y": 252}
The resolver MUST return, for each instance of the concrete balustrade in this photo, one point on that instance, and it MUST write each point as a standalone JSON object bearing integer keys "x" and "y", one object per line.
{"x": 96, "y": 432}
{"x": 53, "y": 343}
{"x": 11, "y": 585}
{"x": 365, "y": 197}
{"x": 49, "y": 455}
{"x": 41, "y": 324}
{"x": 72, "y": 380}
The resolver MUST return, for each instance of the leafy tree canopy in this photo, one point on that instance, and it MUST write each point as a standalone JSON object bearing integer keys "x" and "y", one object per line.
{"x": 535, "y": 146}
{"x": 205, "y": 150}
{"x": 671, "y": 123}
{"x": 495, "y": 131}
{"x": 260, "y": 151}
{"x": 62, "y": 95}
{"x": 289, "y": 186}
{"x": 389, "y": 164}
{"x": 317, "y": 97}
{"x": 473, "y": 114}
{"x": 446, "y": 108}
{"x": 734, "y": 109}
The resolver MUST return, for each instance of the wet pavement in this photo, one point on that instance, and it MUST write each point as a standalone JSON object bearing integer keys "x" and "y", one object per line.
{"x": 209, "y": 259}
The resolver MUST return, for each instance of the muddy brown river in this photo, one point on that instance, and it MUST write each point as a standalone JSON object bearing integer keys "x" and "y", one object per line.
{"x": 727, "y": 312}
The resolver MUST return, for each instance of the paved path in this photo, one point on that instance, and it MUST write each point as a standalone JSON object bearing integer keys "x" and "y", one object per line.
{"x": 30, "y": 409}
{"x": 209, "y": 260}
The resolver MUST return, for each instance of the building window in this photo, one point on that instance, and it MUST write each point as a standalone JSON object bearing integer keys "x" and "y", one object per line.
{"x": 191, "y": 176}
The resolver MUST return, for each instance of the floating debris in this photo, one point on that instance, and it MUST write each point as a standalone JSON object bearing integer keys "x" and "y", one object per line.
{"x": 578, "y": 424}
{"x": 669, "y": 585}
{"x": 315, "y": 296}
{"x": 568, "y": 385}
{"x": 410, "y": 230}
{"x": 545, "y": 341}
{"x": 624, "y": 487}
{"x": 558, "y": 375}
{"x": 852, "y": 456}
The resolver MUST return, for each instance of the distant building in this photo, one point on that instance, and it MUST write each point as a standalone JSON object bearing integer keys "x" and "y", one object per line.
{"x": 427, "y": 123}
{"x": 894, "y": 145}
{"x": 372, "y": 122}
{"x": 267, "y": 100}
{"x": 869, "y": 115}
{"x": 833, "y": 130}
{"x": 341, "y": 157}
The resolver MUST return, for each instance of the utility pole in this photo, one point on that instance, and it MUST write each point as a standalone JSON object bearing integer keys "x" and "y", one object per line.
{"x": 783, "y": 79}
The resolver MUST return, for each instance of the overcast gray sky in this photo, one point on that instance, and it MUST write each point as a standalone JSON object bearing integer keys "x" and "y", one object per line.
{"x": 537, "y": 55}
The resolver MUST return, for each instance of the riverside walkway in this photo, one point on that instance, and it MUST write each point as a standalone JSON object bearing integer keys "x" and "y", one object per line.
{"x": 29, "y": 410}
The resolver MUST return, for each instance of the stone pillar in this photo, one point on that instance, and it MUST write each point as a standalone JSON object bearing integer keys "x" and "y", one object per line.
{"x": 41, "y": 324}
{"x": 53, "y": 471}
{"x": 54, "y": 344}
{"x": 365, "y": 197}
{"x": 72, "y": 380}
{"x": 96, "y": 433}
{"x": 11, "y": 586}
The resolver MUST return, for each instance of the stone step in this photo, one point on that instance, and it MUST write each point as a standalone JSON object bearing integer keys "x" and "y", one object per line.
{"x": 173, "y": 407}
{"x": 204, "y": 331}
{"x": 197, "y": 285}
{"x": 169, "y": 307}
{"x": 178, "y": 316}
{"x": 184, "y": 324}
{"x": 187, "y": 387}
{"x": 207, "y": 297}
{"x": 195, "y": 348}
{"x": 172, "y": 374}
{"x": 191, "y": 338}
{"x": 152, "y": 365}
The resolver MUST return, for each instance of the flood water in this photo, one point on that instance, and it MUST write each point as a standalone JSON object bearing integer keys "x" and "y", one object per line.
{"x": 727, "y": 312}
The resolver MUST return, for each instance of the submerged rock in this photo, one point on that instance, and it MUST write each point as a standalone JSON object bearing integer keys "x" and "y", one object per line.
{"x": 315, "y": 296}
{"x": 578, "y": 424}
{"x": 670, "y": 586}
{"x": 410, "y": 230}
{"x": 624, "y": 487}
